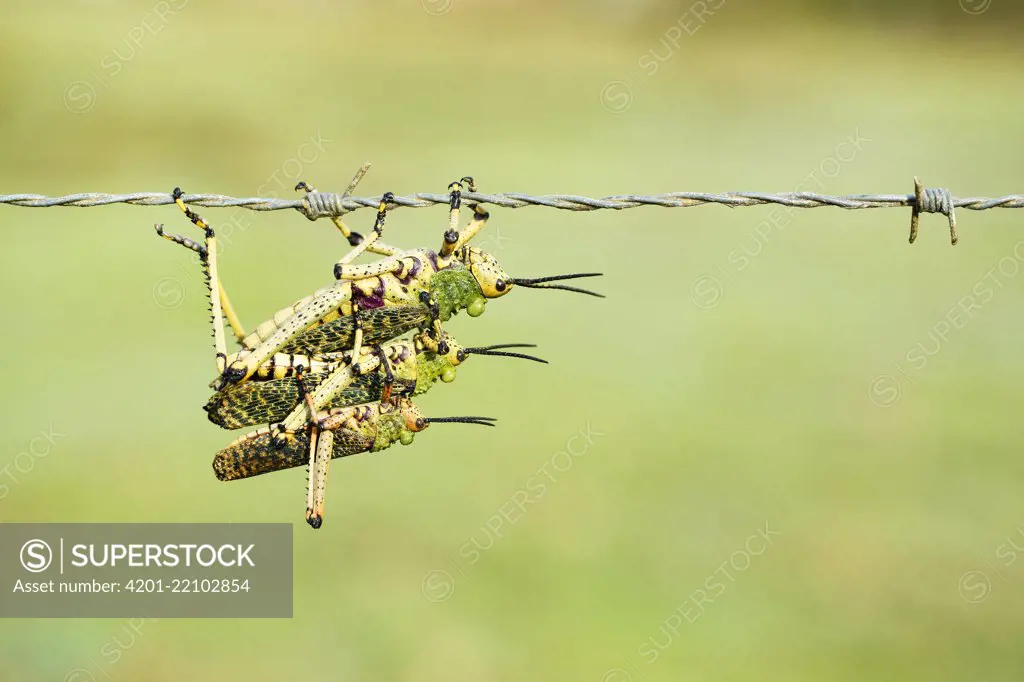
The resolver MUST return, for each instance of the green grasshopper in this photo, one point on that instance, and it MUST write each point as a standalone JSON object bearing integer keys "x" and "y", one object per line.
{"x": 281, "y": 386}
{"x": 414, "y": 289}
{"x": 373, "y": 303}
{"x": 338, "y": 432}
{"x": 405, "y": 367}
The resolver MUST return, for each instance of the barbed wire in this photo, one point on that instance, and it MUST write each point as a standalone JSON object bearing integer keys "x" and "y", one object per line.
{"x": 569, "y": 202}
{"x": 316, "y": 204}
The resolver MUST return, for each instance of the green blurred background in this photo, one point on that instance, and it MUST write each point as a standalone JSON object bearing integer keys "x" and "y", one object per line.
{"x": 803, "y": 372}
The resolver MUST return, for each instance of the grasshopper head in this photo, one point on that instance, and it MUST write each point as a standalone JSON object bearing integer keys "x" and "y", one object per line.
{"x": 407, "y": 418}
{"x": 446, "y": 363}
{"x": 494, "y": 281}
{"x": 454, "y": 357}
{"x": 488, "y": 273}
{"x": 416, "y": 422}
{"x": 436, "y": 364}
{"x": 411, "y": 414}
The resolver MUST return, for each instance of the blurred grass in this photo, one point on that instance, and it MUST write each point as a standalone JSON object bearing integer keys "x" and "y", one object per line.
{"x": 715, "y": 420}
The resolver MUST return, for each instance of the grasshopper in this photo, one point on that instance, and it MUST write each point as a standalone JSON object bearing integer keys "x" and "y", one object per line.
{"x": 372, "y": 303}
{"x": 406, "y": 367}
{"x": 402, "y": 367}
{"x": 348, "y": 428}
{"x": 338, "y": 432}
{"x": 305, "y": 425}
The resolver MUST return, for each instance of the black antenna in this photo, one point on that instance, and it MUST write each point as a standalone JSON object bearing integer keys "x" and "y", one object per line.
{"x": 493, "y": 350}
{"x": 482, "y": 421}
{"x": 541, "y": 283}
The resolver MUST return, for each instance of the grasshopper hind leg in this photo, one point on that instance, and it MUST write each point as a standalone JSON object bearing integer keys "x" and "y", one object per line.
{"x": 190, "y": 244}
{"x": 225, "y": 302}
{"x": 208, "y": 256}
{"x": 318, "y": 477}
{"x": 220, "y": 304}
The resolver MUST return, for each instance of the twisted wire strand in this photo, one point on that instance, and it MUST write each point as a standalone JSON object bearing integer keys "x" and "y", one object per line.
{"x": 330, "y": 204}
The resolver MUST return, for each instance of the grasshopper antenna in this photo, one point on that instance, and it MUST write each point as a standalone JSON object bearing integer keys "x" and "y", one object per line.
{"x": 494, "y": 350}
{"x": 482, "y": 421}
{"x": 542, "y": 283}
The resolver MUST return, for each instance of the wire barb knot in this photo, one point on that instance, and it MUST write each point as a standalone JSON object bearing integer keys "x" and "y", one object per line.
{"x": 933, "y": 200}
{"x": 322, "y": 205}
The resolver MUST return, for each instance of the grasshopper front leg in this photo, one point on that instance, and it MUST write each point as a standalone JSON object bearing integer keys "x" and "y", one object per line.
{"x": 435, "y": 334}
{"x": 389, "y": 375}
{"x": 397, "y": 263}
{"x": 453, "y": 237}
{"x": 367, "y": 242}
